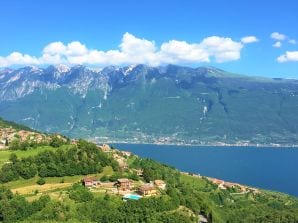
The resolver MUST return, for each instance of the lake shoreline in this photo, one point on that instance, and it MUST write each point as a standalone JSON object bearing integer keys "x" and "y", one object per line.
{"x": 259, "y": 167}
{"x": 199, "y": 145}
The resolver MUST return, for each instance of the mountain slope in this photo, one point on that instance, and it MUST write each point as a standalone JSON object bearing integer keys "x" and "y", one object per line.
{"x": 138, "y": 103}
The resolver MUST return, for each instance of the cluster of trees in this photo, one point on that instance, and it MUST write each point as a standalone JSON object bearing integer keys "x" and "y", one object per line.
{"x": 112, "y": 209}
{"x": 153, "y": 170}
{"x": 82, "y": 159}
{"x": 14, "y": 208}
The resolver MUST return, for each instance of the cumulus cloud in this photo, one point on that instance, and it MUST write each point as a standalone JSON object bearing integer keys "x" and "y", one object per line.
{"x": 134, "y": 50}
{"x": 18, "y": 58}
{"x": 292, "y": 41}
{"x": 288, "y": 56}
{"x": 278, "y": 36}
{"x": 277, "y": 44}
{"x": 176, "y": 51}
{"x": 249, "y": 39}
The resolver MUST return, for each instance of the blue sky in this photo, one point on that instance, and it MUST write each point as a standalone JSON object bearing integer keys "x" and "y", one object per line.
{"x": 193, "y": 32}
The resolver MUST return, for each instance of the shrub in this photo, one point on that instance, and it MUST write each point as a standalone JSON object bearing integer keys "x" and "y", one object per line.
{"x": 41, "y": 181}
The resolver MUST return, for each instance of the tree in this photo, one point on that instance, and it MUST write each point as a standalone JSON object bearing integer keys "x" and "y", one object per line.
{"x": 5, "y": 194}
{"x": 56, "y": 141}
{"x": 104, "y": 178}
{"x": 14, "y": 144}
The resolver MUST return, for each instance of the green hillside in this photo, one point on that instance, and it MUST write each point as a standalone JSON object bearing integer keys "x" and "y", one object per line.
{"x": 52, "y": 191}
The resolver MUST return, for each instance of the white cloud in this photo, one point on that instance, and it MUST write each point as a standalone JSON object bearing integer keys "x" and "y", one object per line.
{"x": 278, "y": 36}
{"x": 134, "y": 50}
{"x": 288, "y": 56}
{"x": 222, "y": 49}
{"x": 18, "y": 58}
{"x": 292, "y": 41}
{"x": 249, "y": 39}
{"x": 176, "y": 51}
{"x": 54, "y": 48}
{"x": 277, "y": 44}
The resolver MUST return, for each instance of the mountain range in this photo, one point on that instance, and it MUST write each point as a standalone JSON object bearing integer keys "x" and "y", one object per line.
{"x": 142, "y": 104}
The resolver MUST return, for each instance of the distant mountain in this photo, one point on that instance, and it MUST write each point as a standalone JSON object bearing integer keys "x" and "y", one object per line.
{"x": 170, "y": 104}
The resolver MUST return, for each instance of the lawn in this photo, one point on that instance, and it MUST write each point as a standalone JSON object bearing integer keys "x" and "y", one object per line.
{"x": 4, "y": 154}
{"x": 198, "y": 182}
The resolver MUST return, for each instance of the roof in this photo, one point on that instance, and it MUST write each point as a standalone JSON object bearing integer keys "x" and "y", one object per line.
{"x": 88, "y": 179}
{"x": 123, "y": 180}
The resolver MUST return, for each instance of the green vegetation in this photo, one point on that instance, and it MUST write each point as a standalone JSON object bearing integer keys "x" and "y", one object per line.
{"x": 85, "y": 158}
{"x": 41, "y": 181}
{"x": 44, "y": 185}
{"x": 79, "y": 193}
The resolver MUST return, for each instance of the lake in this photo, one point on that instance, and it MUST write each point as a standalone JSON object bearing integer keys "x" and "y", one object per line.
{"x": 268, "y": 168}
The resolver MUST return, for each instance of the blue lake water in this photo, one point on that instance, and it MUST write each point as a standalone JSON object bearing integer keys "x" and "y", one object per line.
{"x": 268, "y": 168}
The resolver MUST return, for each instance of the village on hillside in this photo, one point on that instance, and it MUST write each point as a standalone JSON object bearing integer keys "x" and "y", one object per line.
{"x": 7, "y": 135}
{"x": 10, "y": 135}
{"x": 128, "y": 188}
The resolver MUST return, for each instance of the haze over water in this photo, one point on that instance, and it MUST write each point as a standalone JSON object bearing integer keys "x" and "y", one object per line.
{"x": 267, "y": 168}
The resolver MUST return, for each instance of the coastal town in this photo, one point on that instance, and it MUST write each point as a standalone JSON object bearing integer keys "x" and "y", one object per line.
{"x": 142, "y": 138}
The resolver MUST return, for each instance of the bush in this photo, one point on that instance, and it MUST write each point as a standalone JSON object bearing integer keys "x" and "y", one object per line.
{"x": 56, "y": 141}
{"x": 41, "y": 181}
{"x": 105, "y": 178}
{"x": 80, "y": 193}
